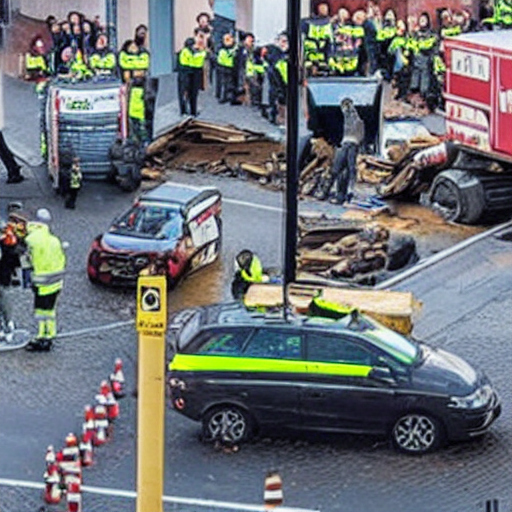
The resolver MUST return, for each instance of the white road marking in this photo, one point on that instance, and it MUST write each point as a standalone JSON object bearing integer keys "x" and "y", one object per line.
{"x": 253, "y": 205}
{"x": 118, "y": 493}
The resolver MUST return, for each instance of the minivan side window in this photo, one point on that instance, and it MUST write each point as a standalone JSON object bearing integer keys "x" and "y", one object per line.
{"x": 274, "y": 344}
{"x": 337, "y": 349}
{"x": 222, "y": 342}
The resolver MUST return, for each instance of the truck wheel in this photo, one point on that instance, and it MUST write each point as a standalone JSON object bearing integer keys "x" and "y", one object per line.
{"x": 458, "y": 196}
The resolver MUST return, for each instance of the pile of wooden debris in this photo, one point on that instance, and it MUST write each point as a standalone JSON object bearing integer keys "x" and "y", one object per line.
{"x": 199, "y": 146}
{"x": 350, "y": 251}
{"x": 393, "y": 176}
{"x": 404, "y": 174}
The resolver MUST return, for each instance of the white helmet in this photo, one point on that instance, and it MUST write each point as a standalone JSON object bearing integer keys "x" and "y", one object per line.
{"x": 43, "y": 215}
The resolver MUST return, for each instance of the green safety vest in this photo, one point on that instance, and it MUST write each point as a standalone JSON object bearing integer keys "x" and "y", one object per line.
{"x": 324, "y": 308}
{"x": 131, "y": 62}
{"x": 190, "y": 59}
{"x": 344, "y": 63}
{"x": 385, "y": 33}
{"x": 80, "y": 69}
{"x": 450, "y": 31}
{"x": 226, "y": 57}
{"x": 35, "y": 63}
{"x": 282, "y": 67}
{"x": 357, "y": 32}
{"x": 425, "y": 44}
{"x": 503, "y": 12}
{"x": 255, "y": 274}
{"x": 397, "y": 43}
{"x": 252, "y": 69}
{"x": 439, "y": 65}
{"x": 136, "y": 107}
{"x": 104, "y": 62}
{"x": 47, "y": 257}
{"x": 346, "y": 30}
{"x": 75, "y": 179}
{"x": 323, "y": 32}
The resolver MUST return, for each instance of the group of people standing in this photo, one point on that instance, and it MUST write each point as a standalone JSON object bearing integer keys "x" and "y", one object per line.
{"x": 240, "y": 71}
{"x": 80, "y": 50}
{"x": 409, "y": 52}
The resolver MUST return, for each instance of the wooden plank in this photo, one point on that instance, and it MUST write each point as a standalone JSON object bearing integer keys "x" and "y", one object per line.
{"x": 255, "y": 169}
{"x": 394, "y": 309}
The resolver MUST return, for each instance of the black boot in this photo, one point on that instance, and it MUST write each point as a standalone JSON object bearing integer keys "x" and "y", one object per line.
{"x": 36, "y": 345}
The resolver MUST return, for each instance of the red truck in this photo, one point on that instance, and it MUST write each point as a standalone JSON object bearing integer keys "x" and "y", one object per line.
{"x": 478, "y": 99}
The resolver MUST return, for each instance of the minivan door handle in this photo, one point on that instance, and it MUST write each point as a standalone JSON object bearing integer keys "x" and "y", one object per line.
{"x": 316, "y": 394}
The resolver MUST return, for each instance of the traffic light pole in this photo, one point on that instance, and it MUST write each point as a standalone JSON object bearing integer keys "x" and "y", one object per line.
{"x": 292, "y": 135}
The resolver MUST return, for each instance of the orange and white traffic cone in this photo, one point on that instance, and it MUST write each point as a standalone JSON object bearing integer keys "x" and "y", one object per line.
{"x": 74, "y": 495}
{"x": 88, "y": 424}
{"x": 117, "y": 379}
{"x": 86, "y": 450}
{"x": 108, "y": 399}
{"x": 273, "y": 495}
{"x": 52, "y": 490}
{"x": 100, "y": 425}
{"x": 50, "y": 455}
{"x": 70, "y": 465}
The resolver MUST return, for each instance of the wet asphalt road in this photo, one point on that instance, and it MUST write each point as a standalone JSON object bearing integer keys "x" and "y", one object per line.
{"x": 466, "y": 309}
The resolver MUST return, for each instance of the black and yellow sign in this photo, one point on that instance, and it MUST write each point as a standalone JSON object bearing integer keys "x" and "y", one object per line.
{"x": 152, "y": 304}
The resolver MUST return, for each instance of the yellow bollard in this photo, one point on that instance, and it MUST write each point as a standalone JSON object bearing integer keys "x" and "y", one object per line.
{"x": 151, "y": 325}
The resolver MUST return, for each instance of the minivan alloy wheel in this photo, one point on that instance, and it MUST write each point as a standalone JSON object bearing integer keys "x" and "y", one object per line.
{"x": 416, "y": 433}
{"x": 227, "y": 424}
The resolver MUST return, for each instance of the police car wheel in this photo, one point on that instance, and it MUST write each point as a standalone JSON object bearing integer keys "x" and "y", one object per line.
{"x": 227, "y": 424}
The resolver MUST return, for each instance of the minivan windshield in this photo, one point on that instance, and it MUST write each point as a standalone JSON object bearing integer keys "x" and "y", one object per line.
{"x": 396, "y": 345}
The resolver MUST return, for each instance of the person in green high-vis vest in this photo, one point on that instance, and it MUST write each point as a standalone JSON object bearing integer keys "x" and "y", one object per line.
{"x": 48, "y": 266}
{"x": 191, "y": 60}
{"x": 134, "y": 66}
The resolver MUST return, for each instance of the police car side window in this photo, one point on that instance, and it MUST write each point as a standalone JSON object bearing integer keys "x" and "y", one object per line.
{"x": 337, "y": 349}
{"x": 274, "y": 344}
{"x": 227, "y": 343}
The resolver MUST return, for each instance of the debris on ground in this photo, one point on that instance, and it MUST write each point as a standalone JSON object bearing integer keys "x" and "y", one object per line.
{"x": 405, "y": 173}
{"x": 355, "y": 253}
{"x": 200, "y": 146}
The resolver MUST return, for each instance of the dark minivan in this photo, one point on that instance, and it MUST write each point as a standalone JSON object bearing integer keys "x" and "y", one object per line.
{"x": 240, "y": 372}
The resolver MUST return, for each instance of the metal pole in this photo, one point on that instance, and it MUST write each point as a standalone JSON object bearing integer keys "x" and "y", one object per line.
{"x": 292, "y": 134}
{"x": 111, "y": 22}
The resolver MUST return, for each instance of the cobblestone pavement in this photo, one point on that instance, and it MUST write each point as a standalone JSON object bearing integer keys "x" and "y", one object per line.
{"x": 467, "y": 301}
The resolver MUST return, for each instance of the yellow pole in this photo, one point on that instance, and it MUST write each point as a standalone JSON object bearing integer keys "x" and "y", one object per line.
{"x": 151, "y": 324}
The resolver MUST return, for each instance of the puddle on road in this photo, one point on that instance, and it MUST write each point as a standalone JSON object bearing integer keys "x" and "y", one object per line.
{"x": 206, "y": 286}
